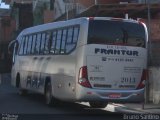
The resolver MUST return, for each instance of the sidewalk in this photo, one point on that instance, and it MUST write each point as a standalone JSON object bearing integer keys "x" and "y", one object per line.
{"x": 148, "y": 108}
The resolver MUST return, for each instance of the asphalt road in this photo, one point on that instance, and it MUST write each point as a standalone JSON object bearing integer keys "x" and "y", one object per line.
{"x": 32, "y": 106}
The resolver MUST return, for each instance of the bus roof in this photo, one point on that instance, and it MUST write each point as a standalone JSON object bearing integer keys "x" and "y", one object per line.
{"x": 53, "y": 25}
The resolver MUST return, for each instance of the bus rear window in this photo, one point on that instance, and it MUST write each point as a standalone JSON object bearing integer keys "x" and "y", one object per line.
{"x": 116, "y": 33}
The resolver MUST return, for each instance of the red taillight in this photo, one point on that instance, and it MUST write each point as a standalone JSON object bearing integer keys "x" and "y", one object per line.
{"x": 141, "y": 21}
{"x": 91, "y": 18}
{"x": 143, "y": 80}
{"x": 83, "y": 77}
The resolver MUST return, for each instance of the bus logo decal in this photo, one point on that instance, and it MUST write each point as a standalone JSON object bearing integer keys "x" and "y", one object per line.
{"x": 116, "y": 52}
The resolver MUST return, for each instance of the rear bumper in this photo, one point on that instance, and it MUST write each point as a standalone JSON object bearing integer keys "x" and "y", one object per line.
{"x": 127, "y": 96}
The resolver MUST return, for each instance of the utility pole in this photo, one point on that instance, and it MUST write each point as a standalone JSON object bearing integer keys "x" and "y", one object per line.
{"x": 66, "y": 10}
{"x": 149, "y": 29}
{"x": 95, "y": 2}
{"x": 149, "y": 49}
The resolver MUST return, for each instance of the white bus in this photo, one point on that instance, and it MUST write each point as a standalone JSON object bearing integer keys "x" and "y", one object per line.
{"x": 96, "y": 60}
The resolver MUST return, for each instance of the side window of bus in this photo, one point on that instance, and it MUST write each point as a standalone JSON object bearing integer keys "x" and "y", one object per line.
{"x": 58, "y": 41}
{"x": 76, "y": 34}
{"x": 64, "y": 36}
{"x": 38, "y": 43}
{"x": 43, "y": 38}
{"x": 21, "y": 46}
{"x": 34, "y": 44}
{"x": 47, "y": 42}
{"x": 69, "y": 45}
{"x": 29, "y": 44}
{"x": 72, "y": 38}
{"x": 53, "y": 43}
{"x": 70, "y": 35}
{"x": 25, "y": 45}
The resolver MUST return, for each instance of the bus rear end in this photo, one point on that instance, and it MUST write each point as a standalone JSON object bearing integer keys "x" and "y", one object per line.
{"x": 115, "y": 61}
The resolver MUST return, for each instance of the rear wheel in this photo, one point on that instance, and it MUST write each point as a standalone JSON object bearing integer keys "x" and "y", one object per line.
{"x": 21, "y": 91}
{"x": 48, "y": 94}
{"x": 98, "y": 104}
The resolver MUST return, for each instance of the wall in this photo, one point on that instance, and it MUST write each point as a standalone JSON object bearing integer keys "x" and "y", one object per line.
{"x": 88, "y": 3}
{"x": 25, "y": 16}
{"x": 154, "y": 85}
{"x": 7, "y": 28}
{"x": 151, "y": 1}
{"x": 81, "y": 5}
{"x": 7, "y": 1}
{"x": 24, "y": 1}
{"x": 154, "y": 64}
{"x": 48, "y": 16}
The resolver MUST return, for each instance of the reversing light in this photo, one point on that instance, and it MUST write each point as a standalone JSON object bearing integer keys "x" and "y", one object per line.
{"x": 91, "y": 18}
{"x": 141, "y": 21}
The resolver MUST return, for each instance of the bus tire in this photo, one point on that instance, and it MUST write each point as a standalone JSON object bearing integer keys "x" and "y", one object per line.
{"x": 98, "y": 104}
{"x": 48, "y": 94}
{"x": 21, "y": 91}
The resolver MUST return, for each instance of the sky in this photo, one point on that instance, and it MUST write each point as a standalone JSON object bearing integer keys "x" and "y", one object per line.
{"x": 3, "y": 5}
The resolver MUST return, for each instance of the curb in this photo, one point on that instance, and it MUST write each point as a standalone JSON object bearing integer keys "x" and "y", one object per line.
{"x": 137, "y": 109}
{"x": 123, "y": 107}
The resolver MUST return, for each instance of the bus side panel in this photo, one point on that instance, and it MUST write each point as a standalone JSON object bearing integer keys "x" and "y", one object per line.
{"x": 15, "y": 70}
{"x": 80, "y": 55}
{"x": 61, "y": 70}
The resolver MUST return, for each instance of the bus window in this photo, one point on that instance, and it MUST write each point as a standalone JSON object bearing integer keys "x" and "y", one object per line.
{"x": 25, "y": 45}
{"x": 43, "y": 38}
{"x": 69, "y": 47}
{"x": 38, "y": 43}
{"x": 63, "y": 41}
{"x": 76, "y": 33}
{"x": 72, "y": 38}
{"x": 58, "y": 41}
{"x": 69, "y": 44}
{"x": 116, "y": 32}
{"x": 70, "y": 35}
{"x": 29, "y": 44}
{"x": 33, "y": 44}
{"x": 47, "y": 42}
{"x": 54, "y": 35}
{"x": 21, "y": 46}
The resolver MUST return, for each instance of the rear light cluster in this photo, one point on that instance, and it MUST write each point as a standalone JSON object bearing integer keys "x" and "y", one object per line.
{"x": 91, "y": 18}
{"x": 143, "y": 79}
{"x": 141, "y": 21}
{"x": 83, "y": 77}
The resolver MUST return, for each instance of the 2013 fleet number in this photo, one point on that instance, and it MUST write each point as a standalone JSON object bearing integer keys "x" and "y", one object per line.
{"x": 128, "y": 79}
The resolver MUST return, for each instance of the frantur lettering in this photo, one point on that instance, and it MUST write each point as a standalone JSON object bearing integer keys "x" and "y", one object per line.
{"x": 116, "y": 52}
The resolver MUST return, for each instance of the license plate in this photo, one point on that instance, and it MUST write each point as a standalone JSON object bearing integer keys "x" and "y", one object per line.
{"x": 114, "y": 95}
